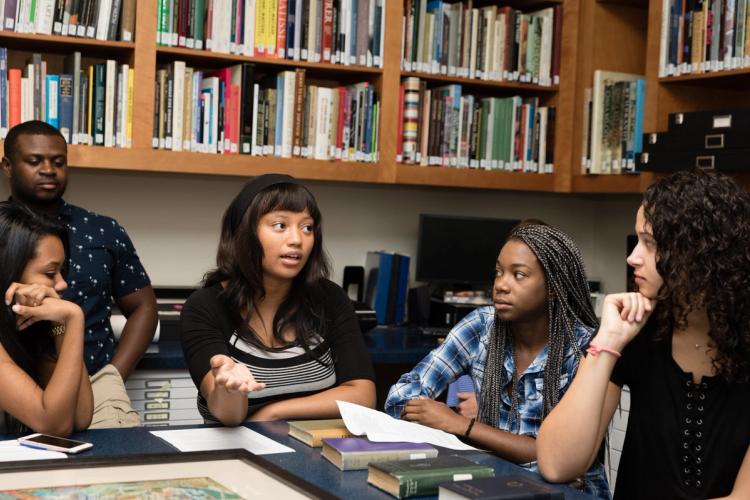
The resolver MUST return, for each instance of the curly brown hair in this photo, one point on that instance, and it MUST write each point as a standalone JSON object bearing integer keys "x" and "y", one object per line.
{"x": 701, "y": 223}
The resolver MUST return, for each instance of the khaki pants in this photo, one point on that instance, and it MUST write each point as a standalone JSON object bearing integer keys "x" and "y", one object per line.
{"x": 111, "y": 402}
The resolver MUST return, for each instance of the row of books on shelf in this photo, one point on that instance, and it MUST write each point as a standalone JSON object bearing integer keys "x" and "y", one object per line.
{"x": 92, "y": 105}
{"x": 233, "y": 110}
{"x": 488, "y": 43}
{"x": 704, "y": 35}
{"x": 336, "y": 31}
{"x": 100, "y": 19}
{"x": 443, "y": 126}
{"x": 613, "y": 123}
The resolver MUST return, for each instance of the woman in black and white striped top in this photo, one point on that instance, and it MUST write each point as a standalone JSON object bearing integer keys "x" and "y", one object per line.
{"x": 269, "y": 337}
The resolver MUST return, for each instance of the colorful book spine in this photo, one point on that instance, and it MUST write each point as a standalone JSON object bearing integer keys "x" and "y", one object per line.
{"x": 281, "y": 25}
{"x": 410, "y": 119}
{"x": 66, "y": 107}
{"x": 99, "y": 103}
{"x": 4, "y": 112}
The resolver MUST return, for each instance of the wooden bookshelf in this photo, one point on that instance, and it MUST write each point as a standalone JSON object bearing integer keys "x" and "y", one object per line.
{"x": 607, "y": 183}
{"x": 56, "y": 43}
{"x": 91, "y": 157}
{"x": 593, "y": 35}
{"x": 738, "y": 76}
{"x": 469, "y": 178}
{"x": 221, "y": 59}
{"x": 515, "y": 87}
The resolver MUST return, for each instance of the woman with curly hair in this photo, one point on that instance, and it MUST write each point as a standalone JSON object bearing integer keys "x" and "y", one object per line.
{"x": 688, "y": 370}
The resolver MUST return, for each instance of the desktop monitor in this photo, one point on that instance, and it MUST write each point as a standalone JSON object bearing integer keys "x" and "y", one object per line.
{"x": 454, "y": 250}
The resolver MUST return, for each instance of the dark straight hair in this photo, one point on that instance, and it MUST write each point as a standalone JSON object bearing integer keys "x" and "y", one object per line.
{"x": 21, "y": 230}
{"x": 239, "y": 263}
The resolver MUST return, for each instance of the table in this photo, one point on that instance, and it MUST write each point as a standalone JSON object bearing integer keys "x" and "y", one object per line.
{"x": 305, "y": 463}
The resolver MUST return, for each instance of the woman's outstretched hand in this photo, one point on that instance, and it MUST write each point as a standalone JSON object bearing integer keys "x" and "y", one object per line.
{"x": 234, "y": 377}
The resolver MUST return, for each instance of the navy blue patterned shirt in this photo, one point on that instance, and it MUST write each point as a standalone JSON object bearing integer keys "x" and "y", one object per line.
{"x": 464, "y": 351}
{"x": 102, "y": 266}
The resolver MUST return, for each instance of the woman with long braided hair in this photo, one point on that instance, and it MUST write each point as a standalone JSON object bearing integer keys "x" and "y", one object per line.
{"x": 521, "y": 354}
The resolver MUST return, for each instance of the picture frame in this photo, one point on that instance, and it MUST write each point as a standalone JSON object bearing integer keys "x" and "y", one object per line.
{"x": 236, "y": 471}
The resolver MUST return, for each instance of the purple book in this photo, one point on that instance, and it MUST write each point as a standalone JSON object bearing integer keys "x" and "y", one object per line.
{"x": 356, "y": 453}
{"x": 9, "y": 16}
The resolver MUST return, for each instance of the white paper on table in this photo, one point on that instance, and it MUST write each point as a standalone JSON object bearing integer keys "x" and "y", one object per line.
{"x": 222, "y": 438}
{"x": 11, "y": 451}
{"x": 381, "y": 427}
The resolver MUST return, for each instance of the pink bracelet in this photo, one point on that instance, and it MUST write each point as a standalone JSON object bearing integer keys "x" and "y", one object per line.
{"x": 595, "y": 349}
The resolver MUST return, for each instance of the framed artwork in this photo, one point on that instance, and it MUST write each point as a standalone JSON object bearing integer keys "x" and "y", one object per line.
{"x": 225, "y": 474}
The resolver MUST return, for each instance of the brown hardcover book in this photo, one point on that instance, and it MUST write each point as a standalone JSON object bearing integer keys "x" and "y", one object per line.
{"x": 327, "y": 38}
{"x": 161, "y": 75}
{"x": 311, "y": 432}
{"x": 696, "y": 52}
{"x": 420, "y": 122}
{"x": 466, "y": 36}
{"x": 271, "y": 143}
{"x": 503, "y": 15}
{"x": 305, "y": 122}
{"x": 281, "y": 17}
{"x": 424, "y": 127}
{"x": 481, "y": 41}
{"x": 261, "y": 121}
{"x": 127, "y": 21}
{"x": 311, "y": 121}
{"x": 556, "y": 43}
{"x": 299, "y": 111}
{"x": 333, "y": 129}
{"x": 187, "y": 109}
{"x": 362, "y": 41}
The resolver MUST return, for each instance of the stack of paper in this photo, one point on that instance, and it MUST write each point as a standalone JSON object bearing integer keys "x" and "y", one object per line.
{"x": 221, "y": 438}
{"x": 378, "y": 426}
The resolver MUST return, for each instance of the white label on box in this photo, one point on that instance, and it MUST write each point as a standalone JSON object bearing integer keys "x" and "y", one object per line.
{"x": 723, "y": 121}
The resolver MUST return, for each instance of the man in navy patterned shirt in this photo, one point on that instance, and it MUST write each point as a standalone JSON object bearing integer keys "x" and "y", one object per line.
{"x": 102, "y": 267}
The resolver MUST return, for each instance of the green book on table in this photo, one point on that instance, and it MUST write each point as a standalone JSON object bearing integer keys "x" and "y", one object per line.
{"x": 410, "y": 478}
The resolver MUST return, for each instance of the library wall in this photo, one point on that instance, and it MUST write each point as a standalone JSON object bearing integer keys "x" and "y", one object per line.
{"x": 174, "y": 220}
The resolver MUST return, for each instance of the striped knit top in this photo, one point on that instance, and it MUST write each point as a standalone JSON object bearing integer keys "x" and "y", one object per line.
{"x": 337, "y": 354}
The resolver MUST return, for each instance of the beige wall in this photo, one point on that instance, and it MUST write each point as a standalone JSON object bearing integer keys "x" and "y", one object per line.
{"x": 174, "y": 219}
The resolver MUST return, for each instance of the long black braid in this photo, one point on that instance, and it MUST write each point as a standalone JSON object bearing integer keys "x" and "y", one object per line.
{"x": 568, "y": 303}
